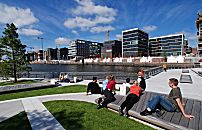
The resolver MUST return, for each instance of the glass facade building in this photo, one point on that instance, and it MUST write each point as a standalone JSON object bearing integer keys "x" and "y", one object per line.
{"x": 134, "y": 43}
{"x": 167, "y": 45}
{"x": 85, "y": 49}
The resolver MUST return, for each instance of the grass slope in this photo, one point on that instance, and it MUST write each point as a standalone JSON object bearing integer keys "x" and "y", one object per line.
{"x": 75, "y": 115}
{"x": 48, "y": 91}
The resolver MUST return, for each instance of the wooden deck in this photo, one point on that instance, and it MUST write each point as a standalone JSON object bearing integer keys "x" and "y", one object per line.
{"x": 169, "y": 120}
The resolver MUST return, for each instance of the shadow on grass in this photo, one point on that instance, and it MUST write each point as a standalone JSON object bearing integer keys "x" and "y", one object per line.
{"x": 18, "y": 122}
{"x": 71, "y": 120}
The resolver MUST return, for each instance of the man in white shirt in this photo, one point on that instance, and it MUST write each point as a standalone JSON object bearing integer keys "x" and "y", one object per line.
{"x": 125, "y": 88}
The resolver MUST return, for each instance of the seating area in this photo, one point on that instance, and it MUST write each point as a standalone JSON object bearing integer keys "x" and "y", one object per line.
{"x": 169, "y": 120}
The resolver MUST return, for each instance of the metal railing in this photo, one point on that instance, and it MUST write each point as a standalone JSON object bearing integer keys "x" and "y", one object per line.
{"x": 153, "y": 71}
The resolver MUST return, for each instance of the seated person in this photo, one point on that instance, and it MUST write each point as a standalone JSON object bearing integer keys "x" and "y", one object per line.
{"x": 131, "y": 99}
{"x": 61, "y": 77}
{"x": 108, "y": 93}
{"x": 125, "y": 88}
{"x": 66, "y": 78}
{"x": 104, "y": 84}
{"x": 141, "y": 80}
{"x": 94, "y": 87}
{"x": 171, "y": 104}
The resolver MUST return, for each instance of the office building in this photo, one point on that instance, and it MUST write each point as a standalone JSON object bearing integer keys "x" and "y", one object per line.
{"x": 84, "y": 49}
{"x": 167, "y": 45}
{"x": 134, "y": 43}
{"x": 199, "y": 33}
{"x": 112, "y": 49}
{"x": 51, "y": 54}
{"x": 63, "y": 53}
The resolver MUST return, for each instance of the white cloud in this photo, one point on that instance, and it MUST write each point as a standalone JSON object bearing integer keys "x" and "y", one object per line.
{"x": 149, "y": 28}
{"x": 79, "y": 22}
{"x": 191, "y": 37}
{"x": 89, "y": 16}
{"x": 30, "y": 32}
{"x": 119, "y": 36}
{"x": 99, "y": 29}
{"x": 19, "y": 16}
{"x": 87, "y": 7}
{"x": 62, "y": 41}
{"x": 75, "y": 32}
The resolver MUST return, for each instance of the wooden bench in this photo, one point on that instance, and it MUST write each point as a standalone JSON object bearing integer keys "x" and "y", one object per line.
{"x": 169, "y": 120}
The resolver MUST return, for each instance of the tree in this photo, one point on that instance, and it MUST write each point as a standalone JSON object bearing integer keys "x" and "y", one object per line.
{"x": 11, "y": 47}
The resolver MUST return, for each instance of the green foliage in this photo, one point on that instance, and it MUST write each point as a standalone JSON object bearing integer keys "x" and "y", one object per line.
{"x": 11, "y": 46}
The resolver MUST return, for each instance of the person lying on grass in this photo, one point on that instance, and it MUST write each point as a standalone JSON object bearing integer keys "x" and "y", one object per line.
{"x": 171, "y": 104}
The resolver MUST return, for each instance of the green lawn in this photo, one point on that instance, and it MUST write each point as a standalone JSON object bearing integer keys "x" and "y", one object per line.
{"x": 19, "y": 82}
{"x": 48, "y": 91}
{"x": 75, "y": 115}
{"x": 17, "y": 122}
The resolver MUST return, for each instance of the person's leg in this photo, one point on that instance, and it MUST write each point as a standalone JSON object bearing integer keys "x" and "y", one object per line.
{"x": 151, "y": 106}
{"x": 133, "y": 99}
{"x": 154, "y": 102}
{"x": 123, "y": 105}
{"x": 164, "y": 102}
{"x": 109, "y": 98}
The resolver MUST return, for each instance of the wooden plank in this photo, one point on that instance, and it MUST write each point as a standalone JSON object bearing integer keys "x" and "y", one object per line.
{"x": 141, "y": 103}
{"x": 147, "y": 98}
{"x": 178, "y": 115}
{"x": 188, "y": 108}
{"x": 194, "y": 123}
{"x": 118, "y": 99}
{"x": 168, "y": 116}
{"x": 141, "y": 100}
{"x": 122, "y": 100}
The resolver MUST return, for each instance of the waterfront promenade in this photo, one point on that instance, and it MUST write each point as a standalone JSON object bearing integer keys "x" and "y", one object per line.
{"x": 157, "y": 83}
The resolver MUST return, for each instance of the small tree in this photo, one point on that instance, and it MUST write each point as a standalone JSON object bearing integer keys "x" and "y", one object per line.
{"x": 12, "y": 48}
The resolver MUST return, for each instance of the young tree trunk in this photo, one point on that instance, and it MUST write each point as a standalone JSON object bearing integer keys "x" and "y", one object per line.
{"x": 14, "y": 67}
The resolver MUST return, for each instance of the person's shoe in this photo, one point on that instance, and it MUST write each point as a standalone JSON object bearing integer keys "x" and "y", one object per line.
{"x": 159, "y": 113}
{"x": 145, "y": 113}
{"x": 126, "y": 114}
{"x": 99, "y": 107}
{"x": 99, "y": 101}
{"x": 120, "y": 112}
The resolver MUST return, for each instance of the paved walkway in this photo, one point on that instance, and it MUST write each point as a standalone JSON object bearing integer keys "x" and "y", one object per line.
{"x": 39, "y": 117}
{"x": 159, "y": 83}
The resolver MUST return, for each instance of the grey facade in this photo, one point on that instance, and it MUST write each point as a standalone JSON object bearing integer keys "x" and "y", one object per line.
{"x": 134, "y": 43}
{"x": 167, "y": 45}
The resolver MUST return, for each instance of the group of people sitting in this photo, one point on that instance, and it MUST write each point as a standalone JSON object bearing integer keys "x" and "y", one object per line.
{"x": 172, "y": 103}
{"x": 64, "y": 77}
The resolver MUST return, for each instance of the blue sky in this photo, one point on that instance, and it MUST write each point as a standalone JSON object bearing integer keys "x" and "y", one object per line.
{"x": 60, "y": 21}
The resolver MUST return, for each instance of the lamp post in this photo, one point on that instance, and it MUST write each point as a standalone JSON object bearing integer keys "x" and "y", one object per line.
{"x": 41, "y": 38}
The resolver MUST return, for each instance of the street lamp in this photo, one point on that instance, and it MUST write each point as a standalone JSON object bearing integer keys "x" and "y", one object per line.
{"x": 41, "y": 38}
